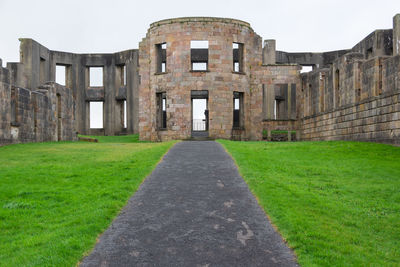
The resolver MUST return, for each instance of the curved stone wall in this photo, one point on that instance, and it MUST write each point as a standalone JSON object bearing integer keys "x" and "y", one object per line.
{"x": 178, "y": 81}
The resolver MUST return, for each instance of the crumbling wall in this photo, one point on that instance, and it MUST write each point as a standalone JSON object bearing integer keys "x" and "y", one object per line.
{"x": 43, "y": 115}
{"x": 5, "y": 106}
{"x": 271, "y": 83}
{"x": 366, "y": 104}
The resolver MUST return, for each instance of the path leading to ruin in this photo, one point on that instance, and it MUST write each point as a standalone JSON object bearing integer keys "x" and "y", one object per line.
{"x": 193, "y": 210}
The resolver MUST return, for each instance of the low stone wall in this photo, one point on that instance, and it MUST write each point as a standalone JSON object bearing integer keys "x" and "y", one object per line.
{"x": 375, "y": 119}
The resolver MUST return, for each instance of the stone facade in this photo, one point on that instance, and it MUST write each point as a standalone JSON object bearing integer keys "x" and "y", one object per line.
{"x": 46, "y": 114}
{"x": 252, "y": 91}
{"x": 219, "y": 80}
{"x": 32, "y": 81}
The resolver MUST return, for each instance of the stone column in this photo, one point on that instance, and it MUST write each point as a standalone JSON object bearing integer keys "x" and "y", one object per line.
{"x": 396, "y": 35}
{"x": 269, "y": 50}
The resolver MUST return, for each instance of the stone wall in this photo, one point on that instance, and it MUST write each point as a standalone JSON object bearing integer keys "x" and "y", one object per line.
{"x": 38, "y": 65}
{"x": 364, "y": 107}
{"x": 219, "y": 80}
{"x": 351, "y": 94}
{"x": 46, "y": 114}
{"x": 179, "y": 81}
{"x": 5, "y": 106}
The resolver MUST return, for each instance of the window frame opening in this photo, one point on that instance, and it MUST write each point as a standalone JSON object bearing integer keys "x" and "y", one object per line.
{"x": 14, "y": 106}
{"x": 94, "y": 72}
{"x": 199, "y": 55}
{"x": 306, "y": 68}
{"x": 161, "y": 109}
{"x": 59, "y": 118}
{"x": 238, "y": 110}
{"x": 42, "y": 71}
{"x": 237, "y": 57}
{"x": 125, "y": 119}
{"x": 161, "y": 58}
{"x": 61, "y": 74}
{"x": 337, "y": 87}
{"x": 93, "y": 120}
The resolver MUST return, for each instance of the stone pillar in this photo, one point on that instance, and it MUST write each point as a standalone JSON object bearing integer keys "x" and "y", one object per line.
{"x": 269, "y": 50}
{"x": 396, "y": 35}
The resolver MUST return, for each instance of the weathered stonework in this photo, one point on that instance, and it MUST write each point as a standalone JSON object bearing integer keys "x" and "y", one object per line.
{"x": 350, "y": 94}
{"x": 220, "y": 80}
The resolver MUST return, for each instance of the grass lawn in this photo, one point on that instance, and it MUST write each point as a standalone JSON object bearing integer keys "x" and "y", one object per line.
{"x": 336, "y": 203}
{"x": 56, "y": 198}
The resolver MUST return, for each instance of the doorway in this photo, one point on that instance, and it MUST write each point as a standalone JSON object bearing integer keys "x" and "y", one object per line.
{"x": 199, "y": 113}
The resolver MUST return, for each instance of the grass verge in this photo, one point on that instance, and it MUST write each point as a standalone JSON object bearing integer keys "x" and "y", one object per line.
{"x": 56, "y": 198}
{"x": 336, "y": 203}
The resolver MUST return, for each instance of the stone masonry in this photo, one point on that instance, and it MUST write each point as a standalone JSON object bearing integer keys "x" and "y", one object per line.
{"x": 250, "y": 89}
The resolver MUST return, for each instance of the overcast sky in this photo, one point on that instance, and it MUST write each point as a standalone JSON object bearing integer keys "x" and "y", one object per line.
{"x": 110, "y": 26}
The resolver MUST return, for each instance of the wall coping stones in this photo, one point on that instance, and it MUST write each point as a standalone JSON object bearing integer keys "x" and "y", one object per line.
{"x": 199, "y": 19}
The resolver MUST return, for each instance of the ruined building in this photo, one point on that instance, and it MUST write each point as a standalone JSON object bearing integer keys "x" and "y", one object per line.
{"x": 206, "y": 77}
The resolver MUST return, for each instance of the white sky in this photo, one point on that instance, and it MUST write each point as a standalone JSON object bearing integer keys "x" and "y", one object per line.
{"x": 110, "y": 26}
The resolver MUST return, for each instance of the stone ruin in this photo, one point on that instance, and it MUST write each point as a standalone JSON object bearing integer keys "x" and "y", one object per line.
{"x": 243, "y": 87}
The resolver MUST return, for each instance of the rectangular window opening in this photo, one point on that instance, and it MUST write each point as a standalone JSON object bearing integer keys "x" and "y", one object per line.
{"x": 305, "y": 69}
{"x": 14, "y": 106}
{"x": 161, "y": 60}
{"x": 337, "y": 87}
{"x": 59, "y": 120}
{"x": 125, "y": 116}
{"x": 236, "y": 67}
{"x": 199, "y": 55}
{"x": 95, "y": 76}
{"x": 237, "y": 49}
{"x": 122, "y": 113}
{"x": 61, "y": 74}
{"x": 380, "y": 89}
{"x": 42, "y": 71}
{"x": 96, "y": 114}
{"x": 161, "y": 111}
{"x": 238, "y": 110}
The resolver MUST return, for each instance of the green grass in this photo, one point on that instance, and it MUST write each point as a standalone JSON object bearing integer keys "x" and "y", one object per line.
{"x": 336, "y": 203}
{"x": 56, "y": 198}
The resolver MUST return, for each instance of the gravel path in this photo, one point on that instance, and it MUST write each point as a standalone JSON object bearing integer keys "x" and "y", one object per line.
{"x": 193, "y": 210}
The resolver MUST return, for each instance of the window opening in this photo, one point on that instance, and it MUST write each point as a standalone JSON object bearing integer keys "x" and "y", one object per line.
{"x": 161, "y": 57}
{"x": 199, "y": 55}
{"x": 237, "y": 49}
{"x": 95, "y": 76}
{"x": 125, "y": 115}
{"x": 161, "y": 99}
{"x": 96, "y": 114}
{"x": 61, "y": 74}
{"x": 237, "y": 109}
